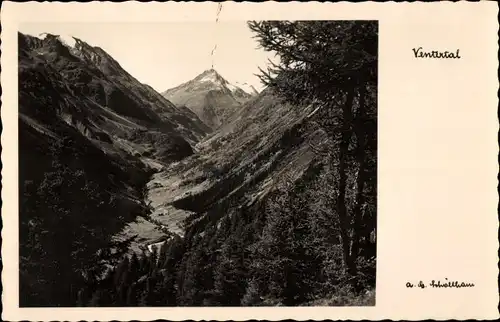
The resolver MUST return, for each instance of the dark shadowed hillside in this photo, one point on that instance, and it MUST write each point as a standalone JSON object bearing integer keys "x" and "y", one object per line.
{"x": 88, "y": 135}
{"x": 261, "y": 145}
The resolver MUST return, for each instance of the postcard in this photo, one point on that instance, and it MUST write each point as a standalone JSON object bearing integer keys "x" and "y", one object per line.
{"x": 236, "y": 161}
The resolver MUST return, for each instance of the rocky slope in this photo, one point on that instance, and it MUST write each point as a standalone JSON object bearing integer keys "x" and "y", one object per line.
{"x": 211, "y": 97}
{"x": 261, "y": 146}
{"x": 101, "y": 99}
{"x": 90, "y": 136}
{"x": 250, "y": 191}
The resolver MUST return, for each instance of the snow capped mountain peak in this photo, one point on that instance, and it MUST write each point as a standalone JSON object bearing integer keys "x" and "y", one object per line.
{"x": 210, "y": 96}
{"x": 211, "y": 76}
{"x": 67, "y": 40}
{"x": 43, "y": 35}
{"x": 249, "y": 89}
{"x": 210, "y": 81}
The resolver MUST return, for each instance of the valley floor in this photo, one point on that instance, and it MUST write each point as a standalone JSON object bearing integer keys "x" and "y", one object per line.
{"x": 163, "y": 187}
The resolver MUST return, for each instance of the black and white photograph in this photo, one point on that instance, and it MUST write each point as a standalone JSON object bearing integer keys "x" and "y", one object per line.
{"x": 198, "y": 164}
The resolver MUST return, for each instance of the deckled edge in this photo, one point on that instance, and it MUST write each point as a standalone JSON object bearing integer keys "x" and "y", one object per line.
{"x": 1, "y": 172}
{"x": 248, "y": 2}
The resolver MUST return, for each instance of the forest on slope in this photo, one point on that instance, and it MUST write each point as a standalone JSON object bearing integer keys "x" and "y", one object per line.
{"x": 311, "y": 240}
{"x": 86, "y": 131}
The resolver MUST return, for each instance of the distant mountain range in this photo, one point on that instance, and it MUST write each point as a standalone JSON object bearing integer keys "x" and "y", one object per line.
{"x": 211, "y": 97}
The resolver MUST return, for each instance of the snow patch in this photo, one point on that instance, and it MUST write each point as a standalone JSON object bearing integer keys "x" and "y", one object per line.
{"x": 232, "y": 88}
{"x": 209, "y": 78}
{"x": 247, "y": 88}
{"x": 67, "y": 40}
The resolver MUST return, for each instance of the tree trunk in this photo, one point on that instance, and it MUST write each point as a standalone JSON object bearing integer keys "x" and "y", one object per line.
{"x": 341, "y": 206}
{"x": 360, "y": 180}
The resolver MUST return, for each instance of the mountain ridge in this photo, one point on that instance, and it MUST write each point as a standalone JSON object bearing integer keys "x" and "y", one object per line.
{"x": 90, "y": 137}
{"x": 210, "y": 96}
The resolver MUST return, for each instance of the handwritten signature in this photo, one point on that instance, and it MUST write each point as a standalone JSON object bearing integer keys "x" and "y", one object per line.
{"x": 440, "y": 284}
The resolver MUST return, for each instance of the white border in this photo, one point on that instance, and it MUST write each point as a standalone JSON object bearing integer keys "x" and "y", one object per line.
{"x": 437, "y": 154}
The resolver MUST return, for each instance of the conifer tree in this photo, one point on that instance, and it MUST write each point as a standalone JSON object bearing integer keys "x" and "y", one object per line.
{"x": 285, "y": 263}
{"x": 230, "y": 274}
{"x": 333, "y": 64}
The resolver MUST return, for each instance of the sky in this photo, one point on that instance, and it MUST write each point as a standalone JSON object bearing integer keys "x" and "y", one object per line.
{"x": 164, "y": 55}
